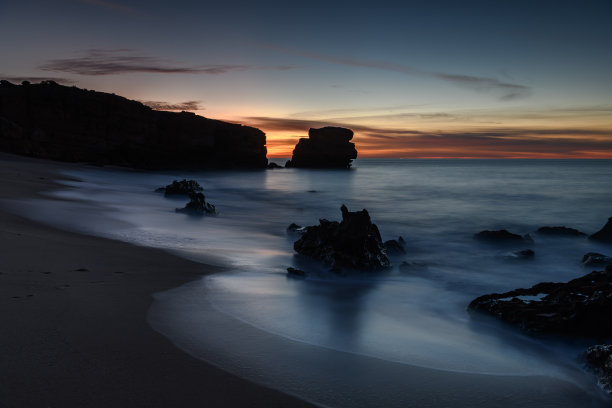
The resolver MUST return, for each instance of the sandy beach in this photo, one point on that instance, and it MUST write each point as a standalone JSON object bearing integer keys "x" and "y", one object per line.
{"x": 73, "y": 316}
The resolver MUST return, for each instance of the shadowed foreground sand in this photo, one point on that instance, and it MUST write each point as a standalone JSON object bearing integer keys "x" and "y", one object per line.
{"x": 73, "y": 318}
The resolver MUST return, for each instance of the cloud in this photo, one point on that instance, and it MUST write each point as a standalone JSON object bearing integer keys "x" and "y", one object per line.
{"x": 508, "y": 90}
{"x": 491, "y": 142}
{"x": 181, "y": 106}
{"x": 35, "y": 79}
{"x": 124, "y": 61}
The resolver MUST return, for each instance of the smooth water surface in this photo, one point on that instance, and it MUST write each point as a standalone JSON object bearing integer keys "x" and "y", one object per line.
{"x": 413, "y": 315}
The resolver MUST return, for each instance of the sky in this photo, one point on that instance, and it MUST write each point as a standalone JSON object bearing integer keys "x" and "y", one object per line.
{"x": 450, "y": 79}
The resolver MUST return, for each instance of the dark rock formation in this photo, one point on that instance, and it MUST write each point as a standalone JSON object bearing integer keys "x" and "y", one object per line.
{"x": 604, "y": 234}
{"x": 296, "y": 272}
{"x": 273, "y": 165}
{"x": 580, "y": 307}
{"x": 63, "y": 123}
{"x": 183, "y": 187}
{"x": 522, "y": 254}
{"x": 561, "y": 231}
{"x": 197, "y": 205}
{"x": 599, "y": 359}
{"x": 501, "y": 237}
{"x": 393, "y": 247}
{"x": 328, "y": 147}
{"x": 595, "y": 259}
{"x": 354, "y": 243}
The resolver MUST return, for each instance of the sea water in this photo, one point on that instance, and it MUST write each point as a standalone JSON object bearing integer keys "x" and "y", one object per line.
{"x": 407, "y": 316}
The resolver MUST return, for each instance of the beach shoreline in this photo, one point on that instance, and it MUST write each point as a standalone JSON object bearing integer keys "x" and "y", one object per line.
{"x": 73, "y": 310}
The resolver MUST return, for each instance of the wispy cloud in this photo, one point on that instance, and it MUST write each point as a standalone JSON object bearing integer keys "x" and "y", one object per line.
{"x": 169, "y": 106}
{"x": 124, "y": 61}
{"x": 506, "y": 90}
{"x": 35, "y": 79}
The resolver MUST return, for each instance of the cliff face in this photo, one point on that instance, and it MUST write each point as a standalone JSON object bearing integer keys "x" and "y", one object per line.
{"x": 57, "y": 122}
{"x": 327, "y": 147}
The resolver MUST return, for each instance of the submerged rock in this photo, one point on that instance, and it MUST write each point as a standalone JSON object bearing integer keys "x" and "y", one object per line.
{"x": 595, "y": 259}
{"x": 522, "y": 254}
{"x": 183, "y": 187}
{"x": 198, "y": 205}
{"x": 353, "y": 243}
{"x": 599, "y": 359}
{"x": 604, "y": 234}
{"x": 580, "y": 307}
{"x": 561, "y": 231}
{"x": 501, "y": 237}
{"x": 327, "y": 147}
{"x": 273, "y": 165}
{"x": 296, "y": 272}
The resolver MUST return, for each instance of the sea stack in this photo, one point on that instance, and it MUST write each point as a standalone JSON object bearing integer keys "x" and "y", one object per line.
{"x": 327, "y": 147}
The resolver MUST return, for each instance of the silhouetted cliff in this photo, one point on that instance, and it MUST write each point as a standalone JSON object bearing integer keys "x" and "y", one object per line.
{"x": 57, "y": 122}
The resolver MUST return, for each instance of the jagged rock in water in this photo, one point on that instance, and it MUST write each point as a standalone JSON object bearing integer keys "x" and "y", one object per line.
{"x": 183, "y": 187}
{"x": 293, "y": 227}
{"x": 595, "y": 259}
{"x": 273, "y": 165}
{"x": 197, "y": 205}
{"x": 327, "y": 147}
{"x": 604, "y": 234}
{"x": 501, "y": 237}
{"x": 522, "y": 254}
{"x": 599, "y": 359}
{"x": 393, "y": 247}
{"x": 561, "y": 231}
{"x": 353, "y": 243}
{"x": 580, "y": 307}
{"x": 56, "y": 122}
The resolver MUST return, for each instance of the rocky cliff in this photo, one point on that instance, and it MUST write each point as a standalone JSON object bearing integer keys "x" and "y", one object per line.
{"x": 57, "y": 122}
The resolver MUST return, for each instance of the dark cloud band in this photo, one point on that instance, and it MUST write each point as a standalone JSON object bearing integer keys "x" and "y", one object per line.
{"x": 125, "y": 61}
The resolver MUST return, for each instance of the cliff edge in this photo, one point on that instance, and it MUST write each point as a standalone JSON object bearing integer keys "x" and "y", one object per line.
{"x": 56, "y": 122}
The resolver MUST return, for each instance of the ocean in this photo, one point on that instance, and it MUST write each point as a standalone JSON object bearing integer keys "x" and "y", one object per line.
{"x": 346, "y": 341}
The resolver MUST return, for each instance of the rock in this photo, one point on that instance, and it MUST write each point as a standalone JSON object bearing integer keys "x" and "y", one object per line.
{"x": 580, "y": 307}
{"x": 353, "y": 243}
{"x": 599, "y": 359}
{"x": 273, "y": 165}
{"x": 595, "y": 259}
{"x": 296, "y": 272}
{"x": 522, "y": 254}
{"x": 604, "y": 234}
{"x": 197, "y": 205}
{"x": 501, "y": 237}
{"x": 327, "y": 147}
{"x": 561, "y": 231}
{"x": 183, "y": 187}
{"x": 393, "y": 247}
{"x": 64, "y": 123}
{"x": 293, "y": 227}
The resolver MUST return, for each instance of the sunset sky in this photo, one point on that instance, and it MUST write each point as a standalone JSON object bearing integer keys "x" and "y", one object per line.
{"x": 420, "y": 79}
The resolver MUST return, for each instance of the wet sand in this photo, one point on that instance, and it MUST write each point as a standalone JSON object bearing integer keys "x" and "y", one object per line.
{"x": 73, "y": 315}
